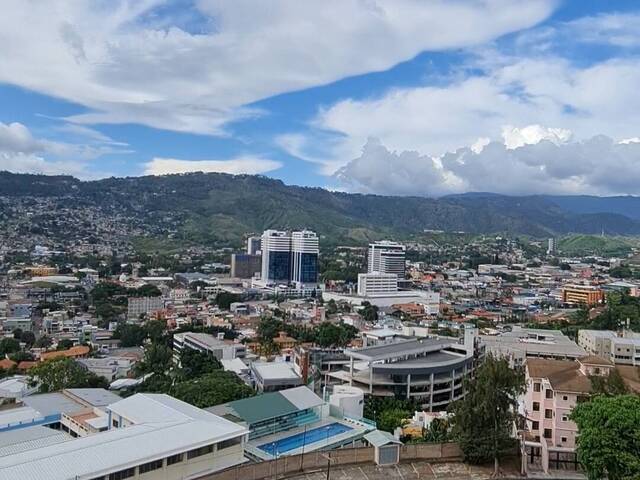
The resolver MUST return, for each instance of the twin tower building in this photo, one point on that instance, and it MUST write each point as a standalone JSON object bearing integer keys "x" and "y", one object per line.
{"x": 290, "y": 257}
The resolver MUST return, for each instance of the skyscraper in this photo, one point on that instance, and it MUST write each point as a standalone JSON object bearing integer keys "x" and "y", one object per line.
{"x": 304, "y": 254}
{"x": 276, "y": 256}
{"x": 386, "y": 257}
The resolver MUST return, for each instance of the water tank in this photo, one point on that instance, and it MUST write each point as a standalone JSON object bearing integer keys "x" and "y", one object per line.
{"x": 348, "y": 400}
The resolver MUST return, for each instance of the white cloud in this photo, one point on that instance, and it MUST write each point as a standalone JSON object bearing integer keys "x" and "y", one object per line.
{"x": 598, "y": 165}
{"x": 133, "y": 62}
{"x": 21, "y": 152}
{"x": 248, "y": 165}
{"x": 515, "y": 137}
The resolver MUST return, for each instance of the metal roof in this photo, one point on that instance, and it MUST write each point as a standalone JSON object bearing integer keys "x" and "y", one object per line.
{"x": 399, "y": 349}
{"x": 29, "y": 438}
{"x": 96, "y": 397}
{"x": 52, "y": 403}
{"x": 378, "y": 438}
{"x": 302, "y": 397}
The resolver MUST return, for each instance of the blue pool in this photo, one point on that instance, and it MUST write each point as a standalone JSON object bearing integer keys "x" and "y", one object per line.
{"x": 305, "y": 438}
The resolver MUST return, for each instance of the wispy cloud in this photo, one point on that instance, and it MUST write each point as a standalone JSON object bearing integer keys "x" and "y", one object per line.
{"x": 247, "y": 165}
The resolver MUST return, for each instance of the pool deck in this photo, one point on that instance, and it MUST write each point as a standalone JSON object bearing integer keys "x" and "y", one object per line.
{"x": 357, "y": 431}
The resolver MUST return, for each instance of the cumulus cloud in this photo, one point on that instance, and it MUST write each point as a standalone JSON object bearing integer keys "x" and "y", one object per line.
{"x": 248, "y": 165}
{"x": 140, "y": 62}
{"x": 21, "y": 152}
{"x": 598, "y": 165}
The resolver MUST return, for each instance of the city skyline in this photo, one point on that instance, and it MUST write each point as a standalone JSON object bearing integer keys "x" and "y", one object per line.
{"x": 403, "y": 98}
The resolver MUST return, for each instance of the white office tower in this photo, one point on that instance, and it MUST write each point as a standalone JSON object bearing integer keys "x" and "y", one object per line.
{"x": 386, "y": 257}
{"x": 551, "y": 246}
{"x": 377, "y": 284}
{"x": 254, "y": 245}
{"x": 304, "y": 257}
{"x": 276, "y": 256}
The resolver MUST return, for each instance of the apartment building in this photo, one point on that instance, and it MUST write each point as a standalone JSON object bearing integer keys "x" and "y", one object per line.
{"x": 142, "y": 305}
{"x": 386, "y": 257}
{"x": 620, "y": 349}
{"x": 203, "y": 342}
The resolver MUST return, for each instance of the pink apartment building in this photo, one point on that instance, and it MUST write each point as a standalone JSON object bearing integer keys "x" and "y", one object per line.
{"x": 554, "y": 387}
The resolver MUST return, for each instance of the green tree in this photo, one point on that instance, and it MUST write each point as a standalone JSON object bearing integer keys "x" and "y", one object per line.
{"x": 43, "y": 342}
{"x": 17, "y": 333}
{"x": 612, "y": 384}
{"x": 609, "y": 442}
{"x": 437, "y": 432}
{"x": 195, "y": 364}
{"x": 212, "y": 389}
{"x": 331, "y": 307}
{"x": 389, "y": 420}
{"x": 130, "y": 335}
{"x": 64, "y": 344}
{"x": 63, "y": 372}
{"x": 268, "y": 328}
{"x": 28, "y": 338}
{"x": 369, "y": 312}
{"x": 9, "y": 345}
{"x": 225, "y": 299}
{"x": 334, "y": 335}
{"x": 484, "y": 418}
{"x": 157, "y": 359}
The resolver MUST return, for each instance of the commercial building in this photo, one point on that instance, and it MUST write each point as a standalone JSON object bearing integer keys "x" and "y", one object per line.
{"x": 290, "y": 257}
{"x": 143, "y": 305}
{"x": 254, "y": 245}
{"x": 521, "y": 343}
{"x": 386, "y": 257}
{"x": 582, "y": 294}
{"x": 203, "y": 342}
{"x": 552, "y": 246}
{"x": 430, "y": 371}
{"x": 145, "y": 433}
{"x": 377, "y": 284}
{"x": 623, "y": 349}
{"x": 274, "y": 376}
{"x": 245, "y": 265}
{"x": 290, "y": 422}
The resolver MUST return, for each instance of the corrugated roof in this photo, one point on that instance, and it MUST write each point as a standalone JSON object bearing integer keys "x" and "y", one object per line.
{"x": 96, "y": 397}
{"x": 29, "y": 438}
{"x": 302, "y": 397}
{"x": 378, "y": 438}
{"x": 52, "y": 403}
{"x": 263, "y": 407}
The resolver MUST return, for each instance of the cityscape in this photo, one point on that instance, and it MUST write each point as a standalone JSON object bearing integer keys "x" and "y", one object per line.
{"x": 338, "y": 240}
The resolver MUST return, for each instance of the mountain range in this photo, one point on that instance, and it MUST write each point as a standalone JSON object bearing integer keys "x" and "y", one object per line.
{"x": 217, "y": 209}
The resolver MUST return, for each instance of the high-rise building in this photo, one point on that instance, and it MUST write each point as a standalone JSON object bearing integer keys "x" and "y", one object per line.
{"x": 244, "y": 265}
{"x": 276, "y": 256}
{"x": 386, "y": 257}
{"x": 290, "y": 257}
{"x": 304, "y": 255}
{"x": 254, "y": 245}
{"x": 551, "y": 246}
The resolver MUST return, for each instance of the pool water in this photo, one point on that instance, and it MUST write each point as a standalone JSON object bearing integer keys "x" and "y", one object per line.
{"x": 305, "y": 438}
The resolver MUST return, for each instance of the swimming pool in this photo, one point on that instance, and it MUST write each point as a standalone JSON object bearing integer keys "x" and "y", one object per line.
{"x": 305, "y": 438}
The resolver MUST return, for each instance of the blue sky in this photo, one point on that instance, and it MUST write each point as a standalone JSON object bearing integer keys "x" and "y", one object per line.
{"x": 392, "y": 97}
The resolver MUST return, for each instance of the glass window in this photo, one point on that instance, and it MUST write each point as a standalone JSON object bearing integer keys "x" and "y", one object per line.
{"x": 535, "y": 425}
{"x": 548, "y": 413}
{"x": 198, "y": 452}
{"x": 547, "y": 433}
{"x": 230, "y": 443}
{"x": 536, "y": 387}
{"x": 548, "y": 393}
{"x": 564, "y": 439}
{"x": 565, "y": 398}
{"x": 128, "y": 473}
{"x": 177, "y": 458}
{"x": 149, "y": 467}
{"x": 536, "y": 406}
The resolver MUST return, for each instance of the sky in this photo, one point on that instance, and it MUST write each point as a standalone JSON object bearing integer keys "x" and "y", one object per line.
{"x": 393, "y": 97}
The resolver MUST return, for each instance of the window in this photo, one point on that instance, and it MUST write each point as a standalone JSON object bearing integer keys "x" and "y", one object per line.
{"x": 177, "y": 458}
{"x": 565, "y": 418}
{"x": 536, "y": 387}
{"x": 115, "y": 423}
{"x": 536, "y": 406}
{"x": 149, "y": 467}
{"x": 547, "y": 433}
{"x": 230, "y": 443}
{"x": 597, "y": 370}
{"x": 128, "y": 473}
{"x": 198, "y": 452}
{"x": 548, "y": 393}
{"x": 548, "y": 413}
{"x": 535, "y": 425}
{"x": 564, "y": 439}
{"x": 565, "y": 398}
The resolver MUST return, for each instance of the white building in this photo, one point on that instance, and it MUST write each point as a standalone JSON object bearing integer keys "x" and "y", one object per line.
{"x": 276, "y": 250}
{"x": 304, "y": 257}
{"x": 620, "y": 350}
{"x": 348, "y": 400}
{"x": 143, "y": 305}
{"x": 254, "y": 245}
{"x": 377, "y": 284}
{"x": 386, "y": 257}
{"x": 146, "y": 433}
{"x": 203, "y": 342}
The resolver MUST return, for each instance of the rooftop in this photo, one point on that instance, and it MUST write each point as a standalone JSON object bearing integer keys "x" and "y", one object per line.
{"x": 398, "y": 349}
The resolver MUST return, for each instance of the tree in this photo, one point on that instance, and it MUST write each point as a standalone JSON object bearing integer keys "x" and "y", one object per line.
{"x": 63, "y": 372}
{"x": 130, "y": 335}
{"x": 484, "y": 418}
{"x": 225, "y": 299}
{"x": 389, "y": 420}
{"x": 9, "y": 345}
{"x": 28, "y": 338}
{"x": 64, "y": 344}
{"x": 369, "y": 312}
{"x": 334, "y": 335}
{"x": 212, "y": 389}
{"x": 612, "y": 384}
{"x": 195, "y": 364}
{"x": 437, "y": 432}
{"x": 609, "y": 442}
{"x": 17, "y": 333}
{"x": 268, "y": 328}
{"x": 43, "y": 342}
{"x": 157, "y": 359}
{"x": 331, "y": 307}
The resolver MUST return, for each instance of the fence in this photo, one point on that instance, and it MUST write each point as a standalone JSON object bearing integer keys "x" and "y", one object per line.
{"x": 285, "y": 466}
